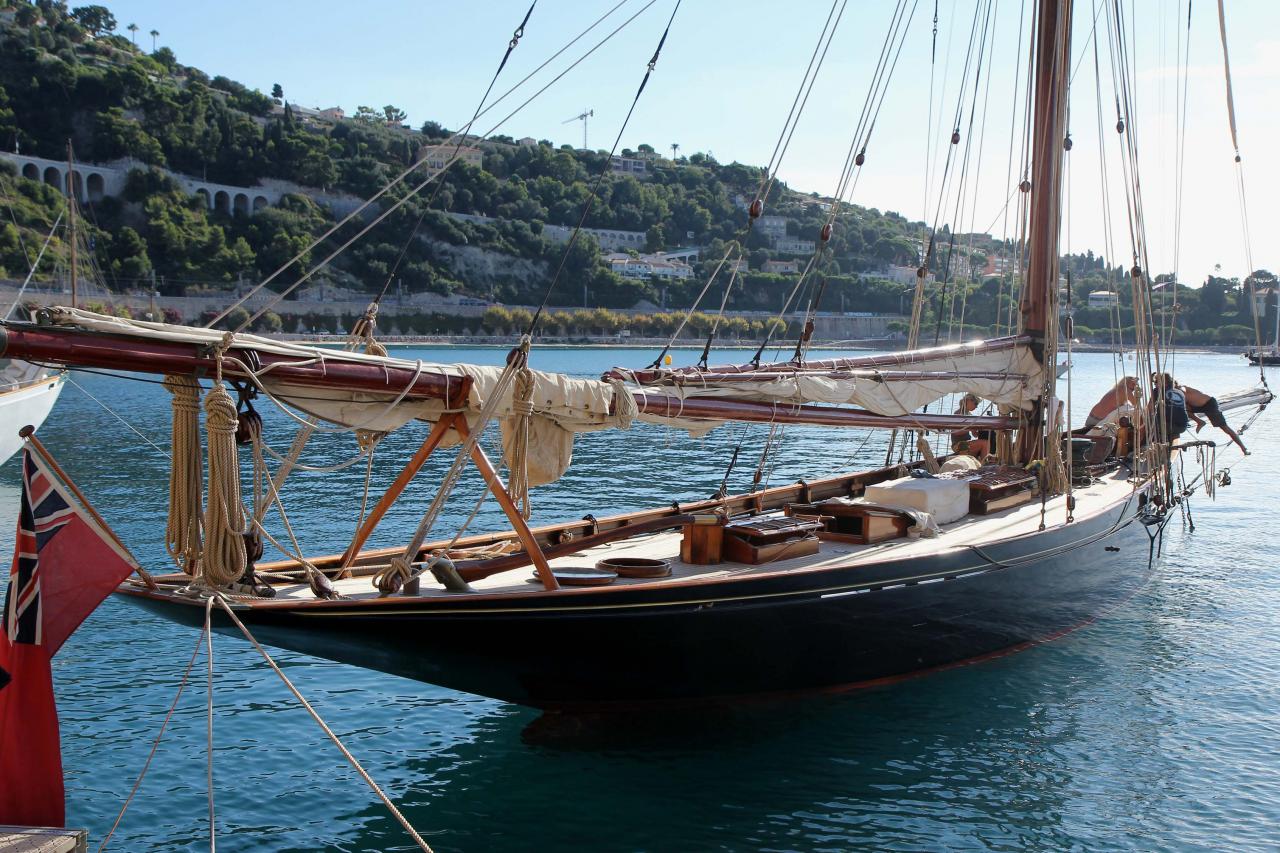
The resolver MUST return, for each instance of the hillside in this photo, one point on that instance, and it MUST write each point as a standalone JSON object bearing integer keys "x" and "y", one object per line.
{"x": 492, "y": 228}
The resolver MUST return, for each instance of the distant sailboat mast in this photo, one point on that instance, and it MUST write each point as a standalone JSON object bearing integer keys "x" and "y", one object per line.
{"x": 71, "y": 224}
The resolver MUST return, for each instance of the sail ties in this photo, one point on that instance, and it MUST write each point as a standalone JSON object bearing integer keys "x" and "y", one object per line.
{"x": 186, "y": 474}
{"x": 364, "y": 330}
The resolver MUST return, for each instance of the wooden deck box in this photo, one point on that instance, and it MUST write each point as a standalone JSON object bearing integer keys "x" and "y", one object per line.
{"x": 765, "y": 540}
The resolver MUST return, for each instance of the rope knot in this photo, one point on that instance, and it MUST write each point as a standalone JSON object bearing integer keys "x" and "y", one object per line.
{"x": 367, "y": 439}
{"x": 393, "y": 577}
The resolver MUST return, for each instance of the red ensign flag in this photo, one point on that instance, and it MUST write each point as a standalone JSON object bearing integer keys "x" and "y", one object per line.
{"x": 64, "y": 565}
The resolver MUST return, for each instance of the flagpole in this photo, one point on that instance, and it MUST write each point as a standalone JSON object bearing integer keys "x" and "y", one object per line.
{"x": 28, "y": 432}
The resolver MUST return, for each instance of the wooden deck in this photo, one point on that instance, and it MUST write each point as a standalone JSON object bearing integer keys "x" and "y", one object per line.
{"x": 968, "y": 531}
{"x": 42, "y": 839}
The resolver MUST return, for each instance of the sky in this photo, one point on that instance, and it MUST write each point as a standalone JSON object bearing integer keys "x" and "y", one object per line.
{"x": 728, "y": 74}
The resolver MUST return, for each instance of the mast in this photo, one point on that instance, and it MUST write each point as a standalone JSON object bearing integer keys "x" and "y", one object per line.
{"x": 1052, "y": 53}
{"x": 71, "y": 223}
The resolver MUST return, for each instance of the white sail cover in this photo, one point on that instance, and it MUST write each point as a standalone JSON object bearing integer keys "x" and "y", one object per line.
{"x": 565, "y": 405}
{"x": 1008, "y": 376}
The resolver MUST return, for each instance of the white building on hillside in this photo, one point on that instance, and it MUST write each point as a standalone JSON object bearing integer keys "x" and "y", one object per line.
{"x": 647, "y": 266}
{"x": 436, "y": 156}
{"x": 773, "y": 227}
{"x": 1104, "y": 299}
{"x": 792, "y": 246}
{"x": 902, "y": 275}
{"x": 781, "y": 266}
{"x": 633, "y": 166}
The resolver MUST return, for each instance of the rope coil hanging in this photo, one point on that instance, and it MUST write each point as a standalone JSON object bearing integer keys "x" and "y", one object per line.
{"x": 225, "y": 557}
{"x": 518, "y": 463}
{"x": 186, "y": 474}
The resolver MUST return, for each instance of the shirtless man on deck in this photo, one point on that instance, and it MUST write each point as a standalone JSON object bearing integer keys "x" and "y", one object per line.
{"x": 1200, "y": 403}
{"x": 1124, "y": 392}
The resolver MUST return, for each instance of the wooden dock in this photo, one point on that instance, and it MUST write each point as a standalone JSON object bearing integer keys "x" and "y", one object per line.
{"x": 43, "y": 839}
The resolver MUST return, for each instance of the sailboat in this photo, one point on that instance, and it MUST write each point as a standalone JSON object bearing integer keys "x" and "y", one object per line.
{"x": 29, "y": 391}
{"x": 1259, "y": 355}
{"x": 848, "y": 580}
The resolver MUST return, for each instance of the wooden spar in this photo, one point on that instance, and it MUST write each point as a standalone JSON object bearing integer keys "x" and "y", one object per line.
{"x": 78, "y": 348}
{"x": 727, "y": 409}
{"x": 891, "y": 359}
{"x": 1053, "y": 49}
{"x": 1052, "y": 71}
{"x": 410, "y": 470}
{"x": 29, "y": 433}
{"x": 518, "y": 523}
{"x": 696, "y": 379}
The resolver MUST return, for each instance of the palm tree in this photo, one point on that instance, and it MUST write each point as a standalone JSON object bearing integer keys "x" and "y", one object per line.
{"x": 133, "y": 28}
{"x": 675, "y": 148}
{"x": 154, "y": 33}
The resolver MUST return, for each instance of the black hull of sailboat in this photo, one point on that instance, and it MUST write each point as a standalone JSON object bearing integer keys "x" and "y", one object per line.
{"x": 807, "y": 631}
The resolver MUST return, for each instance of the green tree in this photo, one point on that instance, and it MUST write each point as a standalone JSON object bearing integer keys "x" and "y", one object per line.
{"x": 368, "y": 116}
{"x": 98, "y": 20}
{"x": 393, "y": 114}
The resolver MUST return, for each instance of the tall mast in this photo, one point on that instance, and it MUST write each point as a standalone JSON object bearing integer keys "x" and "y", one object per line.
{"x": 1053, "y": 47}
{"x": 71, "y": 223}
{"x": 1052, "y": 54}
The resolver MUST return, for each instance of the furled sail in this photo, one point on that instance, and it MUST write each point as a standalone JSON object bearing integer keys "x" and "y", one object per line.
{"x": 1005, "y": 372}
{"x": 381, "y": 393}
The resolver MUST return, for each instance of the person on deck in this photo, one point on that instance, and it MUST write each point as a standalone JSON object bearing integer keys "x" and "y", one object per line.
{"x": 1168, "y": 408}
{"x": 976, "y": 443}
{"x": 1124, "y": 392}
{"x": 1200, "y": 403}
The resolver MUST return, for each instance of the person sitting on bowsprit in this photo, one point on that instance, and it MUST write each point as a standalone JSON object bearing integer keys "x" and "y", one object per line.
{"x": 1200, "y": 403}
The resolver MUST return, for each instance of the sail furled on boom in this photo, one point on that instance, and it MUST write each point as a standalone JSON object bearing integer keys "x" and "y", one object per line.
{"x": 376, "y": 393}
{"x": 1002, "y": 372}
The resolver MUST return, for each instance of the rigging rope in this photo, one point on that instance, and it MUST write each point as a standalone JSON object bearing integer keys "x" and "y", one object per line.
{"x": 413, "y": 191}
{"x": 346, "y": 753}
{"x": 186, "y": 475}
{"x": 400, "y": 568}
{"x": 155, "y": 744}
{"x": 769, "y": 175}
{"x": 604, "y": 170}
{"x": 511, "y": 46}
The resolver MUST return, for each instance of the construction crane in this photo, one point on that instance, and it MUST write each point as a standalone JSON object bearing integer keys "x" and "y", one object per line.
{"x": 582, "y": 117}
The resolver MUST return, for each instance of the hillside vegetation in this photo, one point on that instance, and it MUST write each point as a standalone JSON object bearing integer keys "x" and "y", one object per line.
{"x": 67, "y": 75}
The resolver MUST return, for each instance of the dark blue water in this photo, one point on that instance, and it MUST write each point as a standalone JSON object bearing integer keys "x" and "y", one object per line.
{"x": 1156, "y": 728}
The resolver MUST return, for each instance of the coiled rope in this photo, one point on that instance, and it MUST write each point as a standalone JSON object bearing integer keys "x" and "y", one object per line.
{"x": 224, "y": 518}
{"x": 518, "y": 460}
{"x": 186, "y": 474}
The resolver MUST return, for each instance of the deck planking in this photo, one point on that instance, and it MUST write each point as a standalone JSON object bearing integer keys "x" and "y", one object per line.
{"x": 968, "y": 531}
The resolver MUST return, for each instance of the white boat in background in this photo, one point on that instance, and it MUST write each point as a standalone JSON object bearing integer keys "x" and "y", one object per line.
{"x": 27, "y": 395}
